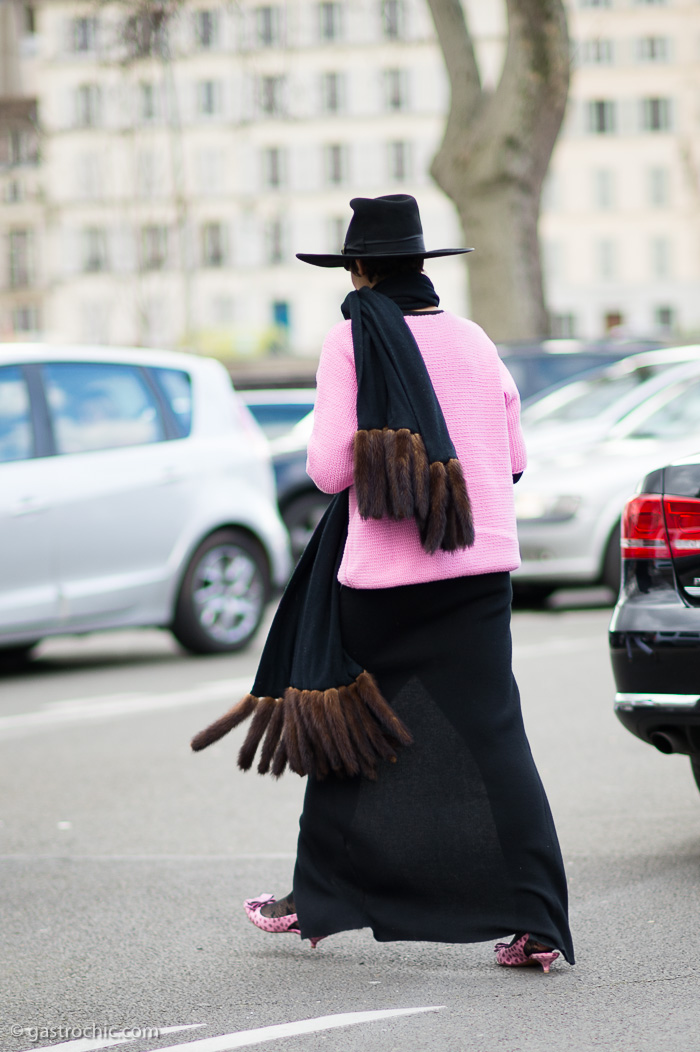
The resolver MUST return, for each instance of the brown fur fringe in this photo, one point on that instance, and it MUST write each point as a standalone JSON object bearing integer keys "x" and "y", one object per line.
{"x": 347, "y": 731}
{"x": 393, "y": 478}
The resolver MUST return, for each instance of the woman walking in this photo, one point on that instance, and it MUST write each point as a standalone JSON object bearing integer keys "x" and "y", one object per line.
{"x": 387, "y": 675}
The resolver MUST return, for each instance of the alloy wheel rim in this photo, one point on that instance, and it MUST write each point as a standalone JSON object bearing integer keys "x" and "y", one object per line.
{"x": 228, "y": 593}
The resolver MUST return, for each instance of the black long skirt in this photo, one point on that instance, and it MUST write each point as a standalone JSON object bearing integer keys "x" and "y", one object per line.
{"x": 455, "y": 841}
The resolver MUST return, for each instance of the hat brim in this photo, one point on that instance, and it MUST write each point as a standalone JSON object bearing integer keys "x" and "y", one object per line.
{"x": 341, "y": 260}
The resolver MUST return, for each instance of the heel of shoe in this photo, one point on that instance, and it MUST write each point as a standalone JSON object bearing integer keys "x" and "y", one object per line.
{"x": 545, "y": 959}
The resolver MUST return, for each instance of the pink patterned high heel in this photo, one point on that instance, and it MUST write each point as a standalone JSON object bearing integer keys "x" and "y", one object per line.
{"x": 273, "y": 924}
{"x": 514, "y": 954}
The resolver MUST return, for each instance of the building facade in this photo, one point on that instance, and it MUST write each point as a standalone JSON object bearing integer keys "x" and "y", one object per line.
{"x": 171, "y": 168}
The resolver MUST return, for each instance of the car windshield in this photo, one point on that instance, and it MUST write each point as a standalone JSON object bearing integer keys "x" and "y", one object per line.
{"x": 587, "y": 398}
{"x": 678, "y": 417}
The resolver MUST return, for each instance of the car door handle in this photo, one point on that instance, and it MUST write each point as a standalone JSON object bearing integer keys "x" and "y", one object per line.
{"x": 29, "y": 505}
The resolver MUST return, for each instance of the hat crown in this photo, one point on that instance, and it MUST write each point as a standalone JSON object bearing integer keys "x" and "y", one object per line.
{"x": 385, "y": 225}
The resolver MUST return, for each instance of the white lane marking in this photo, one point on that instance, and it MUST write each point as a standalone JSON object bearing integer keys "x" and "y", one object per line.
{"x": 241, "y": 1038}
{"x": 557, "y": 646}
{"x": 80, "y": 710}
{"x": 89, "y": 1044}
{"x": 304, "y": 1026}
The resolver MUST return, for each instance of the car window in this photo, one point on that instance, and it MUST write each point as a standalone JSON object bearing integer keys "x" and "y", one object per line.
{"x": 278, "y": 419}
{"x": 176, "y": 386}
{"x": 583, "y": 399}
{"x": 16, "y": 435}
{"x": 96, "y": 405}
{"x": 676, "y": 418}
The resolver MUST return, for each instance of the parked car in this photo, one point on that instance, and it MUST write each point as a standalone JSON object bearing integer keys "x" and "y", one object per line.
{"x": 568, "y": 501}
{"x": 301, "y": 502}
{"x": 535, "y": 367}
{"x": 135, "y": 489}
{"x": 586, "y": 408}
{"x": 278, "y": 409}
{"x": 655, "y": 627}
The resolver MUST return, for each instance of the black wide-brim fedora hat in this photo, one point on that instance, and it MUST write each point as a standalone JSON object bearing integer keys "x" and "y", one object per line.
{"x": 381, "y": 228}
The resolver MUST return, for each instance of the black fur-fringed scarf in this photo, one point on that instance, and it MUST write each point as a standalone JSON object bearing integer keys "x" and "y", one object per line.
{"x": 314, "y": 708}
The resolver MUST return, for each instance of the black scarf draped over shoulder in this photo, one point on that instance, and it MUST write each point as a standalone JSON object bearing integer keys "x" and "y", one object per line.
{"x": 313, "y": 708}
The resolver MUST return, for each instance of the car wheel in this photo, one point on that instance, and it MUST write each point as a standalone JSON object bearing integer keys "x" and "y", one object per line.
{"x": 12, "y": 658}
{"x": 223, "y": 594}
{"x": 612, "y": 562}
{"x": 695, "y": 768}
{"x": 301, "y": 517}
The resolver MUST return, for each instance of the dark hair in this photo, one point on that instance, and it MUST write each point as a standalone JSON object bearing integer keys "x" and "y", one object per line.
{"x": 382, "y": 267}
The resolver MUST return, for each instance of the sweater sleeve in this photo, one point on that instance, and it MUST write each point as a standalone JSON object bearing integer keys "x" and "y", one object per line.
{"x": 329, "y": 461}
{"x": 518, "y": 456}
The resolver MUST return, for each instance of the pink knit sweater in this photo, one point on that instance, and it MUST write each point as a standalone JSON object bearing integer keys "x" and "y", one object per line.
{"x": 481, "y": 406}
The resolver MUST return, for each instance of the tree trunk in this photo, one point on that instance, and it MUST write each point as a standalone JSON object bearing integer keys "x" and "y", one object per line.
{"x": 495, "y": 153}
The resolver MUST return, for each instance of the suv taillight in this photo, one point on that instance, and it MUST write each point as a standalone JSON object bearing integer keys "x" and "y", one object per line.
{"x": 655, "y": 527}
{"x": 682, "y": 525}
{"x": 643, "y": 533}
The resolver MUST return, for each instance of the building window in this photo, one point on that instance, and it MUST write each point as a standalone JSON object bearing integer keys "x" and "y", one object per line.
{"x": 613, "y": 319}
{"x": 606, "y": 259}
{"x": 83, "y": 34}
{"x": 273, "y": 167}
{"x": 336, "y": 164}
{"x": 330, "y": 21}
{"x": 336, "y": 233}
{"x": 146, "y": 33}
{"x": 94, "y": 250}
{"x": 650, "y": 3}
{"x": 208, "y": 97}
{"x": 597, "y": 52}
{"x": 399, "y": 161}
{"x": 207, "y": 29}
{"x": 604, "y": 188}
{"x": 562, "y": 326}
{"x": 28, "y": 19}
{"x": 656, "y": 115}
{"x": 395, "y": 89}
{"x": 154, "y": 247}
{"x": 213, "y": 245}
{"x": 21, "y": 249}
{"x": 332, "y": 92}
{"x": 392, "y": 16}
{"x": 271, "y": 96}
{"x": 25, "y": 319}
{"x": 282, "y": 323}
{"x": 660, "y": 257}
{"x": 148, "y": 100}
{"x": 664, "y": 318}
{"x": 274, "y": 241}
{"x": 658, "y": 183}
{"x": 596, "y": 3}
{"x": 267, "y": 26}
{"x": 601, "y": 117}
{"x": 653, "y": 49}
{"x": 20, "y": 147}
{"x": 88, "y": 104}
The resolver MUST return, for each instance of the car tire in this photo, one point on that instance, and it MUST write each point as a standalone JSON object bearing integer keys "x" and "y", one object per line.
{"x": 14, "y": 658}
{"x": 612, "y": 562}
{"x": 223, "y": 594}
{"x": 695, "y": 768}
{"x": 301, "y": 516}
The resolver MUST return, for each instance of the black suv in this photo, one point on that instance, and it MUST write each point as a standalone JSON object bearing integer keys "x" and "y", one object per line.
{"x": 655, "y": 628}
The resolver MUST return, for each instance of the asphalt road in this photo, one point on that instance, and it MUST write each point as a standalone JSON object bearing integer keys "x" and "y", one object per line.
{"x": 124, "y": 859}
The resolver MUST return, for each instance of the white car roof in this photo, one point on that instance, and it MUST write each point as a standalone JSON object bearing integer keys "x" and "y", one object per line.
{"x": 17, "y": 353}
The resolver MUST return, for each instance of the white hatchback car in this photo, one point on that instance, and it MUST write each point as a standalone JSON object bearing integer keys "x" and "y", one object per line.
{"x": 135, "y": 489}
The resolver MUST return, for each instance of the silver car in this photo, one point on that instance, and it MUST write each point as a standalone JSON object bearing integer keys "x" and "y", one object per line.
{"x": 135, "y": 489}
{"x": 569, "y": 501}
